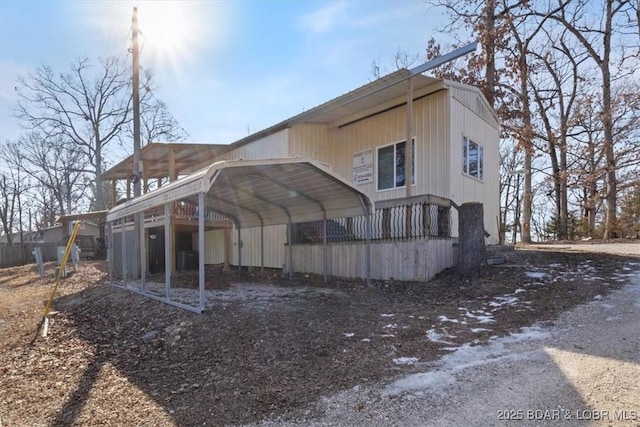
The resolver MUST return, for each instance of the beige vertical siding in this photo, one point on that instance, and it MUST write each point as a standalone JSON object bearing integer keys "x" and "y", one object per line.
{"x": 274, "y": 239}
{"x": 467, "y": 120}
{"x": 270, "y": 147}
{"x": 214, "y": 246}
{"x": 418, "y": 260}
{"x": 336, "y": 146}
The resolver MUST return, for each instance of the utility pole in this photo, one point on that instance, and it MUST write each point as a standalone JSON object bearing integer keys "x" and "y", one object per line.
{"x": 136, "y": 103}
{"x": 137, "y": 268}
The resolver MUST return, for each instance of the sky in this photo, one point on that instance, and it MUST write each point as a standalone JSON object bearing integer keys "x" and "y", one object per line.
{"x": 224, "y": 69}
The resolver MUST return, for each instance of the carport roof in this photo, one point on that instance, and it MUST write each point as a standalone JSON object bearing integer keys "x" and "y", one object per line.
{"x": 260, "y": 192}
{"x": 156, "y": 157}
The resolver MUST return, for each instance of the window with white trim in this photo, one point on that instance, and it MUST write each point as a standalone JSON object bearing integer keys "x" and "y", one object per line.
{"x": 472, "y": 159}
{"x": 391, "y": 165}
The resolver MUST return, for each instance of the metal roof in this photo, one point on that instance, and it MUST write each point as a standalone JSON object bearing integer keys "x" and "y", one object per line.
{"x": 260, "y": 192}
{"x": 374, "y": 96}
{"x": 155, "y": 156}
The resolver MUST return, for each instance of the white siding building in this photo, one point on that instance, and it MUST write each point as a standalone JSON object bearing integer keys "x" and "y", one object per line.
{"x": 362, "y": 136}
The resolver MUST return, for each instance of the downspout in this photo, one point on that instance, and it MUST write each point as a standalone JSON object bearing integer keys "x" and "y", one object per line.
{"x": 408, "y": 148}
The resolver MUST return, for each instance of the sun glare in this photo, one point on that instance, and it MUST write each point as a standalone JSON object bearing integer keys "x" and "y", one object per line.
{"x": 172, "y": 34}
{"x": 168, "y": 29}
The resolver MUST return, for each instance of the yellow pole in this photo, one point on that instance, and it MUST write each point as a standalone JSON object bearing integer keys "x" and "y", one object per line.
{"x": 67, "y": 252}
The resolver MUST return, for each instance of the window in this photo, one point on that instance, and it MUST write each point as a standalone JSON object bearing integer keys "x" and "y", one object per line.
{"x": 472, "y": 159}
{"x": 391, "y": 165}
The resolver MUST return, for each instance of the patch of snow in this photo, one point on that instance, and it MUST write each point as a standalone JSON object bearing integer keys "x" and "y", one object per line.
{"x": 598, "y": 297}
{"x": 480, "y": 316}
{"x": 519, "y": 291}
{"x": 535, "y": 274}
{"x": 446, "y": 319}
{"x": 478, "y": 330}
{"x": 505, "y": 300}
{"x": 390, "y": 326}
{"x": 366, "y": 339}
{"x": 433, "y": 336}
{"x": 434, "y": 382}
{"x": 464, "y": 357}
{"x": 387, "y": 315}
{"x": 348, "y": 334}
{"x": 611, "y": 318}
{"x": 405, "y": 360}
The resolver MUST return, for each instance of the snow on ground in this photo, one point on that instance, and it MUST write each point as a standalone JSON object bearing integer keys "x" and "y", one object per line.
{"x": 444, "y": 372}
{"x": 535, "y": 274}
{"x": 434, "y": 336}
{"x": 478, "y": 316}
{"x": 405, "y": 360}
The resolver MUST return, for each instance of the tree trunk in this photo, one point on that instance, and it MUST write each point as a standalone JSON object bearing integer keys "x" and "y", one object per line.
{"x": 472, "y": 254}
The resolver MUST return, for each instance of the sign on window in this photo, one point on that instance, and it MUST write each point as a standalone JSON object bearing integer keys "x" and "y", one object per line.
{"x": 363, "y": 166}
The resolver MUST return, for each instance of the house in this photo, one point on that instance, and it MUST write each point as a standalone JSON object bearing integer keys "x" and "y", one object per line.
{"x": 360, "y": 137}
{"x": 56, "y": 233}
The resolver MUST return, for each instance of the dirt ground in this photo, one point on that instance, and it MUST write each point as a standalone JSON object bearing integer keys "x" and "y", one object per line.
{"x": 266, "y": 347}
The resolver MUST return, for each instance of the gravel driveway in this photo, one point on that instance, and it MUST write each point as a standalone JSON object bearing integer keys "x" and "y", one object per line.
{"x": 584, "y": 369}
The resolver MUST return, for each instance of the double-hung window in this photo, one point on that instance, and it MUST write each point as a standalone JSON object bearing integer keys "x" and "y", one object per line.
{"x": 391, "y": 165}
{"x": 472, "y": 159}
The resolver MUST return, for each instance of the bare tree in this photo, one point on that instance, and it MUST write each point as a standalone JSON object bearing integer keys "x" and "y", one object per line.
{"x": 596, "y": 30}
{"x": 13, "y": 187}
{"x": 54, "y": 164}
{"x": 510, "y": 184}
{"x": 554, "y": 90}
{"x": 88, "y": 107}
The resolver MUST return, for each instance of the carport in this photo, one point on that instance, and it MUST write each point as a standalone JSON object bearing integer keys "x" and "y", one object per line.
{"x": 249, "y": 193}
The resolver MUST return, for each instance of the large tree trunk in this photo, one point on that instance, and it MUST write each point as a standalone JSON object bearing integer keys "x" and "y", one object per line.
{"x": 472, "y": 254}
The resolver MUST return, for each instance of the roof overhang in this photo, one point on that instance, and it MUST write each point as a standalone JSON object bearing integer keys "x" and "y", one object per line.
{"x": 257, "y": 193}
{"x": 378, "y": 95}
{"x": 156, "y": 158}
{"x": 97, "y": 217}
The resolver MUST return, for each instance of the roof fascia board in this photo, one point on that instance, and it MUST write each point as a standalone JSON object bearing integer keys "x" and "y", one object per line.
{"x": 388, "y": 105}
{"x": 392, "y": 79}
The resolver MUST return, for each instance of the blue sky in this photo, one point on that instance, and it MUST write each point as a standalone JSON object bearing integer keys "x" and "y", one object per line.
{"x": 224, "y": 68}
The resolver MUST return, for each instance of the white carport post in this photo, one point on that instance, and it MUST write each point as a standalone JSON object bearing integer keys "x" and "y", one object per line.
{"x": 143, "y": 256}
{"x": 167, "y": 250}
{"x": 123, "y": 244}
{"x": 110, "y": 251}
{"x": 324, "y": 243}
{"x": 201, "y": 208}
{"x": 289, "y": 240}
{"x": 368, "y": 216}
{"x": 261, "y": 247}
{"x": 239, "y": 251}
